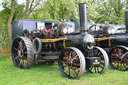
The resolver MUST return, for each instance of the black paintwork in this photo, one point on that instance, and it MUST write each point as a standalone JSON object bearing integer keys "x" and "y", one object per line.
{"x": 126, "y": 21}
{"x": 90, "y": 61}
{"x": 120, "y": 39}
{"x": 74, "y": 40}
{"x": 83, "y": 17}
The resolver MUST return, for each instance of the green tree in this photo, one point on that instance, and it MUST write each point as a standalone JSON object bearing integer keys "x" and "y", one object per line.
{"x": 13, "y": 10}
{"x": 112, "y": 11}
{"x": 65, "y": 10}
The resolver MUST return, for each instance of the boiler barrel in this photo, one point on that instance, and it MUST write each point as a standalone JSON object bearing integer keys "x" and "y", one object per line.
{"x": 71, "y": 41}
{"x": 114, "y": 41}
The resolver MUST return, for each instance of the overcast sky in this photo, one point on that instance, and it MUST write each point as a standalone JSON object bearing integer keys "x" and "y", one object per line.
{"x": 0, "y": 4}
{"x": 19, "y": 2}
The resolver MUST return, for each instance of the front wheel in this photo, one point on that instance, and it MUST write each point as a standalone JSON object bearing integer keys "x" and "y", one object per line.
{"x": 98, "y": 52}
{"x": 71, "y": 63}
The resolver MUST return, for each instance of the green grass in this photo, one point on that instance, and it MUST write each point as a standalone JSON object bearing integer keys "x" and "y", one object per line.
{"x": 50, "y": 75}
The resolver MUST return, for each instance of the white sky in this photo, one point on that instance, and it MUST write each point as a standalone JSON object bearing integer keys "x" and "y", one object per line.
{"x": 22, "y": 1}
{"x": 0, "y": 4}
{"x": 19, "y": 2}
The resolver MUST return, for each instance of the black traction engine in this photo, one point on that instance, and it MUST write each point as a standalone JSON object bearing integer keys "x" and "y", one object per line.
{"x": 48, "y": 41}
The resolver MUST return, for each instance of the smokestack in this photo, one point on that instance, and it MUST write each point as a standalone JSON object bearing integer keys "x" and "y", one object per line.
{"x": 126, "y": 21}
{"x": 83, "y": 17}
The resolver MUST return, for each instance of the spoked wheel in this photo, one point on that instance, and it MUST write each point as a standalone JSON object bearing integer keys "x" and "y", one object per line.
{"x": 22, "y": 52}
{"x": 103, "y": 64}
{"x": 71, "y": 63}
{"x": 119, "y": 58}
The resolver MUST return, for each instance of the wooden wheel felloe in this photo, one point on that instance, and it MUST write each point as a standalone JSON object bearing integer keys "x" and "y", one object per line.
{"x": 71, "y": 63}
{"x": 22, "y": 52}
{"x": 98, "y": 52}
{"x": 118, "y": 57}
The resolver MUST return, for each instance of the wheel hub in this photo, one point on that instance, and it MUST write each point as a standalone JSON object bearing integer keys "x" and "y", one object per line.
{"x": 69, "y": 63}
{"x": 19, "y": 53}
{"x": 119, "y": 58}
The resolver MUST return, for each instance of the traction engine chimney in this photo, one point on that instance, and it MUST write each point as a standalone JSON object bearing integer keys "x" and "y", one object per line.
{"x": 126, "y": 21}
{"x": 83, "y": 17}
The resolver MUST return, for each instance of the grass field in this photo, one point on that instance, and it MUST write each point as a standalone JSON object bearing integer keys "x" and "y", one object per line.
{"x": 50, "y": 75}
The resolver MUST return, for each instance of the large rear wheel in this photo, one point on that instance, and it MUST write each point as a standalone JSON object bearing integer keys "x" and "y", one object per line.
{"x": 22, "y": 52}
{"x": 71, "y": 63}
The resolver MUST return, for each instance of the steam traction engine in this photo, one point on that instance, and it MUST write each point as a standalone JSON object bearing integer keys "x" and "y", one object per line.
{"x": 45, "y": 41}
{"x": 117, "y": 46}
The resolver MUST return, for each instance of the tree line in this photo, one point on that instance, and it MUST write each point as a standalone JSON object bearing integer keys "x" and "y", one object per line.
{"x": 98, "y": 11}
